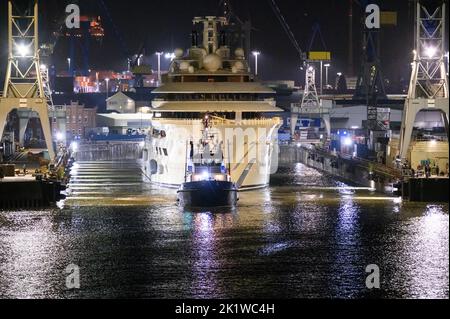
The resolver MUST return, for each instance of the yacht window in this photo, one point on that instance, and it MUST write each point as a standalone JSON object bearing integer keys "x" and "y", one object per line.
{"x": 145, "y": 155}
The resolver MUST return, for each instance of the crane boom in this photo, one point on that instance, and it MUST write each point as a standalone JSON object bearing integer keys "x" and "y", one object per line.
{"x": 286, "y": 28}
{"x": 124, "y": 47}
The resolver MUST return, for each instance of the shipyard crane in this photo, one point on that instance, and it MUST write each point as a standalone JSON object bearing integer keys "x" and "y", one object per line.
{"x": 240, "y": 29}
{"x": 23, "y": 87}
{"x": 276, "y": 10}
{"x": 227, "y": 11}
{"x": 311, "y": 106}
{"x": 370, "y": 83}
{"x": 428, "y": 88}
{"x": 138, "y": 69}
{"x": 125, "y": 49}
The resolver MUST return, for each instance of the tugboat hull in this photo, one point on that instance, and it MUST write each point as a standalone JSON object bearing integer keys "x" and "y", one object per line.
{"x": 208, "y": 194}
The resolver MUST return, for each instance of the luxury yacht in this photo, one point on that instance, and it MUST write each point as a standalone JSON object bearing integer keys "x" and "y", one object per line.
{"x": 209, "y": 103}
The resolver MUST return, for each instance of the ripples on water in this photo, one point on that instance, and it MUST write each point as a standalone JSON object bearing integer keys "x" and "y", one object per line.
{"x": 305, "y": 236}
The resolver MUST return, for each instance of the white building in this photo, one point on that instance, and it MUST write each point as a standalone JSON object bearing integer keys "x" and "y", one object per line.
{"x": 353, "y": 117}
{"x": 128, "y": 102}
{"x": 120, "y": 124}
{"x": 121, "y": 103}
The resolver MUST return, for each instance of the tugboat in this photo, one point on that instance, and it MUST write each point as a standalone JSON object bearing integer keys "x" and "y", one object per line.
{"x": 207, "y": 179}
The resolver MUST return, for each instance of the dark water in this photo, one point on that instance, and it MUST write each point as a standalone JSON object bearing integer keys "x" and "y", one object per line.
{"x": 306, "y": 236}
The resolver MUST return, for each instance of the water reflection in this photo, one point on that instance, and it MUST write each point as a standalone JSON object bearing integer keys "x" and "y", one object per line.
{"x": 347, "y": 265}
{"x": 33, "y": 256}
{"x": 426, "y": 268}
{"x": 305, "y": 236}
{"x": 206, "y": 259}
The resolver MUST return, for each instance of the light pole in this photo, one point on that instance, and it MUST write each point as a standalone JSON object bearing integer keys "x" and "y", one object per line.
{"x": 70, "y": 69}
{"x": 107, "y": 87}
{"x": 97, "y": 89}
{"x": 159, "y": 66}
{"x": 339, "y": 74}
{"x": 446, "y": 56}
{"x": 326, "y": 73}
{"x": 256, "y": 54}
{"x": 321, "y": 77}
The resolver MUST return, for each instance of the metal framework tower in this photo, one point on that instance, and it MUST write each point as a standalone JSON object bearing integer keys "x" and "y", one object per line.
{"x": 210, "y": 32}
{"x": 428, "y": 88}
{"x": 310, "y": 106}
{"x": 369, "y": 85}
{"x": 24, "y": 88}
{"x": 46, "y": 85}
{"x": 310, "y": 97}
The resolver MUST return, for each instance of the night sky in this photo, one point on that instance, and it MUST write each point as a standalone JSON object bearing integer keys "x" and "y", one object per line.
{"x": 166, "y": 24}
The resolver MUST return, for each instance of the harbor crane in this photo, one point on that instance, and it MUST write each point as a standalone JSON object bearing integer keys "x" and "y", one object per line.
{"x": 428, "y": 88}
{"x": 310, "y": 106}
{"x": 24, "y": 87}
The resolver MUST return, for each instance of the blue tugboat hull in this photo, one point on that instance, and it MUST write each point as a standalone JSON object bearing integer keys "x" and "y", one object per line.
{"x": 208, "y": 194}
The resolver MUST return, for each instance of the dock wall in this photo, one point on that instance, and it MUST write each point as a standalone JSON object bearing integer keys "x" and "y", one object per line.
{"x": 368, "y": 174}
{"x": 29, "y": 194}
{"x": 122, "y": 150}
{"x": 360, "y": 173}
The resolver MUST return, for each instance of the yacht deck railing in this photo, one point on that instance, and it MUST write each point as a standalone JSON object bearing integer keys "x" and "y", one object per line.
{"x": 216, "y": 122}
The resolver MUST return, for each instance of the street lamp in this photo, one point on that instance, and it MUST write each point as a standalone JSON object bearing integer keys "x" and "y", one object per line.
{"x": 68, "y": 62}
{"x": 107, "y": 87}
{"x": 256, "y": 54}
{"x": 159, "y": 66}
{"x": 327, "y": 65}
{"x": 97, "y": 82}
{"x": 170, "y": 56}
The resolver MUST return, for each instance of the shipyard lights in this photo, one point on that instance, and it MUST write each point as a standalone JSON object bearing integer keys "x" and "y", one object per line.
{"x": 430, "y": 51}
{"x": 327, "y": 66}
{"x": 348, "y": 141}
{"x": 158, "y": 54}
{"x": 59, "y": 136}
{"x": 22, "y": 49}
{"x": 107, "y": 87}
{"x": 256, "y": 54}
{"x": 74, "y": 146}
{"x": 170, "y": 56}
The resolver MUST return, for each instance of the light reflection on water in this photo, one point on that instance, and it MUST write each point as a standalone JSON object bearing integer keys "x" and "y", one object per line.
{"x": 305, "y": 236}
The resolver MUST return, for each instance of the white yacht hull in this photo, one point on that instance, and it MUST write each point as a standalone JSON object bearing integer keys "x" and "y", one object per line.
{"x": 250, "y": 145}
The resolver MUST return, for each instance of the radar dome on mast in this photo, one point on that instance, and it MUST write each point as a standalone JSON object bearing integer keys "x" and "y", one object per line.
{"x": 212, "y": 62}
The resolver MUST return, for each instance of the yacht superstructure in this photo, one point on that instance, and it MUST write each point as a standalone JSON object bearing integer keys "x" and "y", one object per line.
{"x": 210, "y": 91}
